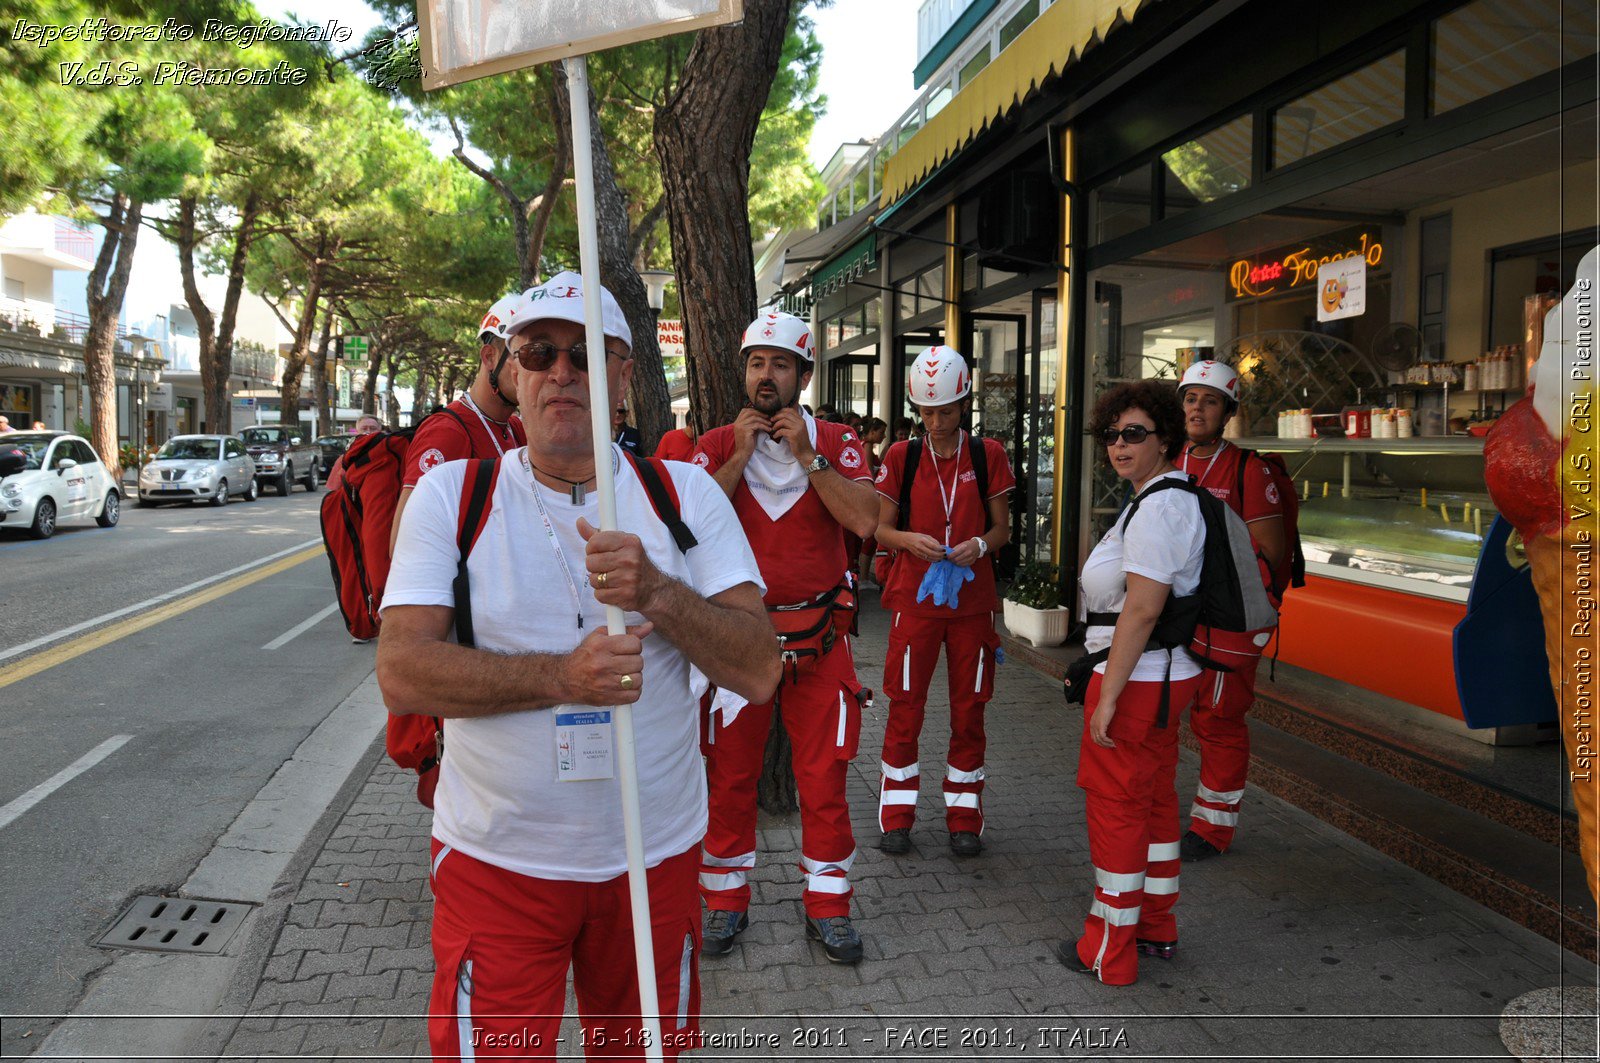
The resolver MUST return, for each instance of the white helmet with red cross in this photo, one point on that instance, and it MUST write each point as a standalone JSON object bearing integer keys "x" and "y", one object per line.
{"x": 938, "y": 377}
{"x": 781, "y": 332}
{"x": 1216, "y": 375}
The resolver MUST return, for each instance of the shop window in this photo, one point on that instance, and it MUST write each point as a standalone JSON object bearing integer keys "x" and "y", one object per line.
{"x": 973, "y": 65}
{"x": 1491, "y": 45}
{"x": 1340, "y": 111}
{"x": 906, "y": 299}
{"x": 907, "y": 131}
{"x": 1122, "y": 206}
{"x": 991, "y": 277}
{"x": 939, "y": 98}
{"x": 1208, "y": 167}
{"x": 930, "y": 287}
{"x": 1018, "y": 22}
{"x": 870, "y": 316}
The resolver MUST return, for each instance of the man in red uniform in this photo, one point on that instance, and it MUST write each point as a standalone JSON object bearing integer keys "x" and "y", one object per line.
{"x": 1210, "y": 393}
{"x": 480, "y": 424}
{"x": 678, "y": 444}
{"x": 956, "y": 520}
{"x": 797, "y": 484}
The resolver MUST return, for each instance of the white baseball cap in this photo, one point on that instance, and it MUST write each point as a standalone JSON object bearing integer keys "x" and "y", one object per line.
{"x": 494, "y": 322}
{"x": 561, "y": 299}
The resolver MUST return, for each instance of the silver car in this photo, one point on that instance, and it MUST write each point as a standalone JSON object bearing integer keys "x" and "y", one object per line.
{"x": 199, "y": 468}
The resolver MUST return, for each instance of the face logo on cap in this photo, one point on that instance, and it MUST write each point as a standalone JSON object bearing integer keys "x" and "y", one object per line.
{"x": 568, "y": 292}
{"x": 490, "y": 322}
{"x": 430, "y": 458}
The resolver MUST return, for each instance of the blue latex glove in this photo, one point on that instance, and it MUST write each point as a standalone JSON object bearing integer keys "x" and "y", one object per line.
{"x": 999, "y": 655}
{"x": 943, "y": 582}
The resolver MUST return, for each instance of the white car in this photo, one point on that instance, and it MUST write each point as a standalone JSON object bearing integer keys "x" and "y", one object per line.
{"x": 50, "y": 477}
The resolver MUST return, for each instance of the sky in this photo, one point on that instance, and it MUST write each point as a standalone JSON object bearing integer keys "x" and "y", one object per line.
{"x": 868, "y": 51}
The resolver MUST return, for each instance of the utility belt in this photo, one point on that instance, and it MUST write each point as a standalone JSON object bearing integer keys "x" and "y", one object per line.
{"x": 807, "y": 630}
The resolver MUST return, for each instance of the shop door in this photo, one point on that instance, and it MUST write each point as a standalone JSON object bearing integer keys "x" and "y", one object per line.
{"x": 853, "y": 385}
{"x": 997, "y": 348}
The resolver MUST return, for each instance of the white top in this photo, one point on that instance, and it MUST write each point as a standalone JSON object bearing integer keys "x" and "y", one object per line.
{"x": 1165, "y": 542}
{"x": 498, "y": 799}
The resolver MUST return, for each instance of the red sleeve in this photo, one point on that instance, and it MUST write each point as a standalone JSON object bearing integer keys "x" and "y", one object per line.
{"x": 674, "y": 446}
{"x": 888, "y": 479}
{"x": 713, "y": 449}
{"x": 437, "y": 440}
{"x": 844, "y": 453}
{"x": 1001, "y": 476}
{"x": 1260, "y": 498}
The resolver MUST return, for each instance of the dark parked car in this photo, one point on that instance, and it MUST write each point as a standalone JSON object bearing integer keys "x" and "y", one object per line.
{"x": 333, "y": 448}
{"x": 283, "y": 454}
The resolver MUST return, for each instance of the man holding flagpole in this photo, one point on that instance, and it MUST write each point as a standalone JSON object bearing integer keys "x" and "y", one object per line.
{"x": 528, "y": 867}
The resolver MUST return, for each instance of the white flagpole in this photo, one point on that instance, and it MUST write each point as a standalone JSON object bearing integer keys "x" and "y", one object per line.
{"x": 605, "y": 487}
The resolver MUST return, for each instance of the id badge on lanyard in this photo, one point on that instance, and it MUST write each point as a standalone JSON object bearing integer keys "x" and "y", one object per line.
{"x": 584, "y": 747}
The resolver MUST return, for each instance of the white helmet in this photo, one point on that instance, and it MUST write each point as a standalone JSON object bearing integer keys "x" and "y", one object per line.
{"x": 781, "y": 332}
{"x": 938, "y": 377}
{"x": 495, "y": 321}
{"x": 1216, "y": 375}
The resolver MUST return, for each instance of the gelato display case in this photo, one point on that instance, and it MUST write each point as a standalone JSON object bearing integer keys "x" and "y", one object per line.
{"x": 1404, "y": 514}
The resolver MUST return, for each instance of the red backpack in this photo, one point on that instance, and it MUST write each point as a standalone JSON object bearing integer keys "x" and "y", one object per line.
{"x": 356, "y": 518}
{"x": 1291, "y": 517}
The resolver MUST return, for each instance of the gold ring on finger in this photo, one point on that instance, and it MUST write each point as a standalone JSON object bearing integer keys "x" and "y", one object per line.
{"x": 626, "y": 681}
{"x": 600, "y": 579}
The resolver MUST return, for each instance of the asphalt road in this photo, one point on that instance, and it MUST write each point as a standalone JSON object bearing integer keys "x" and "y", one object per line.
{"x": 209, "y": 711}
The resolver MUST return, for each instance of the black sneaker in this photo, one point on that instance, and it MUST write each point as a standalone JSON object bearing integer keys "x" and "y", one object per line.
{"x": 839, "y": 939}
{"x": 1161, "y": 950}
{"x": 721, "y": 928}
{"x": 1194, "y": 848}
{"x": 896, "y": 841}
{"x": 1067, "y": 954}
{"x": 965, "y": 843}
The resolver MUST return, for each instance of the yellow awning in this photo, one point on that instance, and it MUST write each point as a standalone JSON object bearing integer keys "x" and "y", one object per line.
{"x": 1057, "y": 39}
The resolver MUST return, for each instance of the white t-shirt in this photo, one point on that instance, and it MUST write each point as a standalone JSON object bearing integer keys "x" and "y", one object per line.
{"x": 1165, "y": 542}
{"x": 498, "y": 798}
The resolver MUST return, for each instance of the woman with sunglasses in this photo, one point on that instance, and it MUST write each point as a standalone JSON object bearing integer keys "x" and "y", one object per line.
{"x": 1128, "y": 758}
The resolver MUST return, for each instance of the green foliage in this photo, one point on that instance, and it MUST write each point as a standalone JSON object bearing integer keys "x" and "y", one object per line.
{"x": 1036, "y": 585}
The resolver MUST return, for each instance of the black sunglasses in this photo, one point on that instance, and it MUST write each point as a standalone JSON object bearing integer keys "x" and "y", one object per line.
{"x": 1132, "y": 435}
{"x": 539, "y": 357}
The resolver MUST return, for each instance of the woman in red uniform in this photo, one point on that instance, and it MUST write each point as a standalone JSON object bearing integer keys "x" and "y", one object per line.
{"x": 1128, "y": 758}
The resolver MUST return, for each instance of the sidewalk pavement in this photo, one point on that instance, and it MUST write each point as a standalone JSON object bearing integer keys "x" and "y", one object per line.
{"x": 1299, "y": 942}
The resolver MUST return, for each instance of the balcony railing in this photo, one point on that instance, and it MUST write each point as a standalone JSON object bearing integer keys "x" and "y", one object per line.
{"x": 862, "y": 183}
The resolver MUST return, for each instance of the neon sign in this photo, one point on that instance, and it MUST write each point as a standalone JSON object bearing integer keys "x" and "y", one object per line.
{"x": 1287, "y": 268}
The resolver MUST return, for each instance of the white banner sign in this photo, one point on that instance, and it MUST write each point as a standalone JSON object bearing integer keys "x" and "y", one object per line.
{"x": 159, "y": 398}
{"x": 1342, "y": 288}
{"x": 669, "y": 337}
{"x": 466, "y": 39}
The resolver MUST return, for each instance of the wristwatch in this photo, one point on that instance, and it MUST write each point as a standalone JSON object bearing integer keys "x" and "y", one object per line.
{"x": 818, "y": 463}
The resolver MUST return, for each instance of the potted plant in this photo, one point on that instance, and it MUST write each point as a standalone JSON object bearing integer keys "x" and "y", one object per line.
{"x": 1032, "y": 605}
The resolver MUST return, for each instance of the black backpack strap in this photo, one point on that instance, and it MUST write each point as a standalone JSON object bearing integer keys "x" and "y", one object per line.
{"x": 907, "y": 474}
{"x": 1238, "y": 488}
{"x": 1162, "y": 484}
{"x": 475, "y": 495}
{"x": 980, "y": 470}
{"x": 651, "y": 474}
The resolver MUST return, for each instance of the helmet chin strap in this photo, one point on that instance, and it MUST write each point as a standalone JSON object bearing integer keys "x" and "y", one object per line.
{"x": 494, "y": 378}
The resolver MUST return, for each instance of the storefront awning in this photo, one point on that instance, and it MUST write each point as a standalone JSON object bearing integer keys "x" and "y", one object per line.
{"x": 1057, "y": 39}
{"x": 804, "y": 257}
{"x": 857, "y": 260}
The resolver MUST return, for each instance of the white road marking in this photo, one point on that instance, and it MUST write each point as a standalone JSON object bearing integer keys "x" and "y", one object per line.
{"x": 54, "y": 636}
{"x": 300, "y": 628}
{"x": 100, "y": 752}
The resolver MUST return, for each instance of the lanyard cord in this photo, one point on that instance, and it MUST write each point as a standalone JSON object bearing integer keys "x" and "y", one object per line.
{"x": 494, "y": 437}
{"x": 949, "y": 500}
{"x": 1221, "y": 443}
{"x": 555, "y": 543}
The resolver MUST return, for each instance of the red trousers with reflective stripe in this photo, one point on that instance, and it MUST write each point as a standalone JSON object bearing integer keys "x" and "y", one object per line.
{"x": 1219, "y": 726}
{"x": 969, "y": 643}
{"x": 823, "y": 718}
{"x": 1134, "y": 825}
{"x": 502, "y": 944}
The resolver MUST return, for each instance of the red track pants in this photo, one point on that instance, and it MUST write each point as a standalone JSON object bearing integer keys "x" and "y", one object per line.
{"x": 823, "y": 719}
{"x": 969, "y": 643}
{"x": 1224, "y": 736}
{"x": 1134, "y": 826}
{"x": 502, "y": 944}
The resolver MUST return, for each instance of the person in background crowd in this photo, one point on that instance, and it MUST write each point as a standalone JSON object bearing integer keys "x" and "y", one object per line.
{"x": 624, "y": 434}
{"x": 528, "y": 869}
{"x": 1128, "y": 756}
{"x": 853, "y": 420}
{"x": 902, "y": 429}
{"x": 38, "y": 426}
{"x": 678, "y": 444}
{"x": 483, "y": 422}
{"x": 366, "y": 424}
{"x": 825, "y": 412}
{"x": 5, "y": 424}
{"x": 872, "y": 433}
{"x": 797, "y": 484}
{"x": 954, "y": 523}
{"x": 1210, "y": 394}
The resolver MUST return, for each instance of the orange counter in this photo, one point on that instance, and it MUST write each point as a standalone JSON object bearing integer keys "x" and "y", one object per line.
{"x": 1382, "y": 640}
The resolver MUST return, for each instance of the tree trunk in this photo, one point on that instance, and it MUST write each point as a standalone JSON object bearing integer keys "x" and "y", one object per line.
{"x": 316, "y": 267}
{"x": 369, "y": 389}
{"x": 216, "y": 337}
{"x": 703, "y": 138}
{"x": 391, "y": 403}
{"x": 108, "y": 283}
{"x": 319, "y": 376}
{"x": 650, "y": 402}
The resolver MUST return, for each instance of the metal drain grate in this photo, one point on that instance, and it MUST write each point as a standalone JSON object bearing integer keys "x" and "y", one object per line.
{"x": 175, "y": 924}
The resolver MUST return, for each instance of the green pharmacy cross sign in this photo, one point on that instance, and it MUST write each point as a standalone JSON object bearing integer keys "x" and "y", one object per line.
{"x": 353, "y": 348}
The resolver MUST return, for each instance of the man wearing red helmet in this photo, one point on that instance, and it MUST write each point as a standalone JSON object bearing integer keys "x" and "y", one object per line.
{"x": 1210, "y": 394}
{"x": 959, "y": 515}
{"x": 797, "y": 484}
